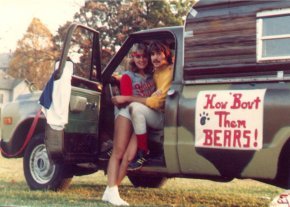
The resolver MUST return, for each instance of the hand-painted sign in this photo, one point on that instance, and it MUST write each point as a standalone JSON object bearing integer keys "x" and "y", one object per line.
{"x": 283, "y": 200}
{"x": 230, "y": 119}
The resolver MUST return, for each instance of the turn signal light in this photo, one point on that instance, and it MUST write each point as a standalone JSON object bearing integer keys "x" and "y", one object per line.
{"x": 7, "y": 120}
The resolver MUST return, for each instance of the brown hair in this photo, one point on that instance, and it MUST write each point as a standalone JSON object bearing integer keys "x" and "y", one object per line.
{"x": 158, "y": 46}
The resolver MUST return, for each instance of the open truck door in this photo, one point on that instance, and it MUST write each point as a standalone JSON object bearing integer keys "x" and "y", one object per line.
{"x": 51, "y": 164}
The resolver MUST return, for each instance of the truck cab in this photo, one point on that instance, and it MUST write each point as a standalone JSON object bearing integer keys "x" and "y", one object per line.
{"x": 226, "y": 113}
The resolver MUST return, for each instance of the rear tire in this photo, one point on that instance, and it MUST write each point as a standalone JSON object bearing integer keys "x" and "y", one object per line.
{"x": 147, "y": 181}
{"x": 40, "y": 173}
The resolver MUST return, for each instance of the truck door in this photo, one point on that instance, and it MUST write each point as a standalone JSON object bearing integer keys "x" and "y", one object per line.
{"x": 82, "y": 48}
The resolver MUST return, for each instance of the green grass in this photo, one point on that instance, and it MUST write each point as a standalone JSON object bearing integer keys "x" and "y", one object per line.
{"x": 87, "y": 191}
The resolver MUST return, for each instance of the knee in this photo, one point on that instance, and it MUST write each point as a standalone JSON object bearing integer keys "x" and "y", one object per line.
{"x": 136, "y": 111}
{"x": 133, "y": 108}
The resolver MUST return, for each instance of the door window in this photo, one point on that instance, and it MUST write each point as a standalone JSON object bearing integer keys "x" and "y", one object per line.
{"x": 80, "y": 52}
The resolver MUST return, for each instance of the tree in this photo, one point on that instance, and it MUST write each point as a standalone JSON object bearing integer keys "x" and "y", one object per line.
{"x": 35, "y": 55}
{"x": 115, "y": 19}
{"x": 181, "y": 7}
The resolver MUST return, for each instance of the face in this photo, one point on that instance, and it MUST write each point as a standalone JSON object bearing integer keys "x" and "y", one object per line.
{"x": 158, "y": 59}
{"x": 140, "y": 59}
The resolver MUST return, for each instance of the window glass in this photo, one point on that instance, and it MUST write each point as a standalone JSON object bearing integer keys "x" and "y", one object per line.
{"x": 276, "y": 25}
{"x": 276, "y": 47}
{"x": 273, "y": 35}
{"x": 80, "y": 52}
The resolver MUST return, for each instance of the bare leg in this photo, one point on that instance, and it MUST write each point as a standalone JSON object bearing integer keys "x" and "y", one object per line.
{"x": 127, "y": 158}
{"x": 122, "y": 133}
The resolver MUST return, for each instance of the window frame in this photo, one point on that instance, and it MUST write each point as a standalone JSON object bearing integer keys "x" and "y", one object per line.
{"x": 260, "y": 38}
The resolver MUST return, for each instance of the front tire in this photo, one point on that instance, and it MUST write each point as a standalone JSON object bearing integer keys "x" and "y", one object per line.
{"x": 40, "y": 173}
{"x": 147, "y": 181}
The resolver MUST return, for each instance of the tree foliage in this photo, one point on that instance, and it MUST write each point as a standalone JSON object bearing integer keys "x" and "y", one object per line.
{"x": 115, "y": 19}
{"x": 34, "y": 56}
{"x": 37, "y": 51}
{"x": 182, "y": 7}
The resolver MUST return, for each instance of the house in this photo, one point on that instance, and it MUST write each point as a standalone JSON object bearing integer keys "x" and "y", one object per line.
{"x": 4, "y": 61}
{"x": 237, "y": 39}
{"x": 11, "y": 88}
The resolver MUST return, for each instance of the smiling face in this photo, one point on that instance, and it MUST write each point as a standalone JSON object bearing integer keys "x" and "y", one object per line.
{"x": 158, "y": 59}
{"x": 160, "y": 54}
{"x": 140, "y": 59}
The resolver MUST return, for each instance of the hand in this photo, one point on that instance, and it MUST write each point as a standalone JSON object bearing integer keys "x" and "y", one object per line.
{"x": 119, "y": 100}
{"x": 157, "y": 93}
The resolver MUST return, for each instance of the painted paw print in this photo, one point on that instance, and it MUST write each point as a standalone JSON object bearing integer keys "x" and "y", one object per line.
{"x": 203, "y": 118}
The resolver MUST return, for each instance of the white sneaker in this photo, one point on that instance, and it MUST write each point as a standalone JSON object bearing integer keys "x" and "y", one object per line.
{"x": 112, "y": 196}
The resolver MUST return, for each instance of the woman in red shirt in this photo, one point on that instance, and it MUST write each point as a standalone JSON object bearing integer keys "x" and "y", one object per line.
{"x": 136, "y": 82}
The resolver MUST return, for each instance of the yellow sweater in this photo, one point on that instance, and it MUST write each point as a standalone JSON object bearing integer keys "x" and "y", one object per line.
{"x": 162, "y": 78}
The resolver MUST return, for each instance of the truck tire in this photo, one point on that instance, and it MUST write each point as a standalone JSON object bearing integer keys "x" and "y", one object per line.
{"x": 39, "y": 172}
{"x": 147, "y": 181}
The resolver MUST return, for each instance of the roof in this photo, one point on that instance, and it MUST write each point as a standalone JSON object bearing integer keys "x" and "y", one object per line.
{"x": 9, "y": 84}
{"x": 4, "y": 75}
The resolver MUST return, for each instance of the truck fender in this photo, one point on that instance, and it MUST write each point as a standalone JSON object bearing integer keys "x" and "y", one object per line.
{"x": 23, "y": 134}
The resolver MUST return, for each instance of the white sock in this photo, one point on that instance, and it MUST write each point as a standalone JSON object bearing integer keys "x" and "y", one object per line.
{"x": 112, "y": 196}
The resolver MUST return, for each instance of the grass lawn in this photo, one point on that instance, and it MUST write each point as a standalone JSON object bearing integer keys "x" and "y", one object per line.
{"x": 86, "y": 191}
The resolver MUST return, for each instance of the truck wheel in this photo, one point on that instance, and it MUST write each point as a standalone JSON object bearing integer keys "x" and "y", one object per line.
{"x": 147, "y": 181}
{"x": 39, "y": 172}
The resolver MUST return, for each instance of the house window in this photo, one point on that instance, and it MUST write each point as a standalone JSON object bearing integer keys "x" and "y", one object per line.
{"x": 273, "y": 35}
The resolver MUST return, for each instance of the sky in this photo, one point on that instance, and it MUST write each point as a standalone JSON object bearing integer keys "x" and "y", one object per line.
{"x": 16, "y": 15}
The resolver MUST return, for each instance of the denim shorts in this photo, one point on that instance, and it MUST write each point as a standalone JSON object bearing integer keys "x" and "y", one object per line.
{"x": 122, "y": 112}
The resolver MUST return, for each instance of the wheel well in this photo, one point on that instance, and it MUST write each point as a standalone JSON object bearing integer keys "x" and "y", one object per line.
{"x": 284, "y": 165}
{"x": 21, "y": 132}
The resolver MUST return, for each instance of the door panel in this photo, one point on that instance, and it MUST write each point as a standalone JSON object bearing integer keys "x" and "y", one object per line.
{"x": 230, "y": 155}
{"x": 85, "y": 121}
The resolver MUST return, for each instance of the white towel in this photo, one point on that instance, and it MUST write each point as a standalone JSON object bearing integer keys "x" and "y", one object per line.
{"x": 57, "y": 114}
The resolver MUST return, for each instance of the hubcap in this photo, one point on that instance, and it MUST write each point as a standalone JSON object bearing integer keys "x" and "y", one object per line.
{"x": 42, "y": 170}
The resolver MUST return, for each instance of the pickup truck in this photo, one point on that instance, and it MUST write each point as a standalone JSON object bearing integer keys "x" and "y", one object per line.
{"x": 227, "y": 113}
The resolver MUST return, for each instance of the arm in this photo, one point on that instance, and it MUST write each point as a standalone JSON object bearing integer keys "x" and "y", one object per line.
{"x": 126, "y": 90}
{"x": 126, "y": 85}
{"x": 157, "y": 99}
{"x": 121, "y": 100}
